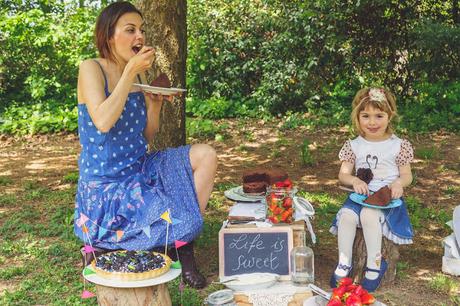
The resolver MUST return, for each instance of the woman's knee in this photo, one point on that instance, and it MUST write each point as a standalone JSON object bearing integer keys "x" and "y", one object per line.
{"x": 348, "y": 217}
{"x": 203, "y": 154}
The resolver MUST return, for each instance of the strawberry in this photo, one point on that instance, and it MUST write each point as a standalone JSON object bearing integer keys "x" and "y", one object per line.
{"x": 359, "y": 290}
{"x": 286, "y": 214}
{"x": 287, "y": 202}
{"x": 340, "y": 291}
{"x": 344, "y": 282}
{"x": 279, "y": 184}
{"x": 367, "y": 299}
{"x": 353, "y": 300}
{"x": 351, "y": 288}
{"x": 287, "y": 183}
{"x": 334, "y": 301}
{"x": 277, "y": 210}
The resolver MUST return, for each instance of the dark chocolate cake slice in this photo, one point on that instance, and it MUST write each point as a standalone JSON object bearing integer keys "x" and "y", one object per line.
{"x": 161, "y": 81}
{"x": 381, "y": 197}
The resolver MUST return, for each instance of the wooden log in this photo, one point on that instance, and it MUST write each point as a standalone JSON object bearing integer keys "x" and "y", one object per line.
{"x": 146, "y": 296}
{"x": 390, "y": 252}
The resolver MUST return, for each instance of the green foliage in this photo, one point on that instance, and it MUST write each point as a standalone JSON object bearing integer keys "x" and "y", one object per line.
{"x": 41, "y": 50}
{"x": 305, "y": 153}
{"x": 203, "y": 128}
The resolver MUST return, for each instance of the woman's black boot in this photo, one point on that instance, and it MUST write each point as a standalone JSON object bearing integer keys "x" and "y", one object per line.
{"x": 190, "y": 273}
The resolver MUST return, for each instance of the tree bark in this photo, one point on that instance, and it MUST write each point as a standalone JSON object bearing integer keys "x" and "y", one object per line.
{"x": 390, "y": 252}
{"x": 166, "y": 30}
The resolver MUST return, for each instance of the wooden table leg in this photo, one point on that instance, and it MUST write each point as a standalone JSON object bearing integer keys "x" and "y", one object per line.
{"x": 146, "y": 296}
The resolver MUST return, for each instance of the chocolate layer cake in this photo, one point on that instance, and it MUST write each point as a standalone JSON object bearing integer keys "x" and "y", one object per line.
{"x": 381, "y": 197}
{"x": 257, "y": 180}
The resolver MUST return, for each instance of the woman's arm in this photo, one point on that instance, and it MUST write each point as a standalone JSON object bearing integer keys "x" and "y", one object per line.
{"x": 346, "y": 178}
{"x": 105, "y": 111}
{"x": 404, "y": 180}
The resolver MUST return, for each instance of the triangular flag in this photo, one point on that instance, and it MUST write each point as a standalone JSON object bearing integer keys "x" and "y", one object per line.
{"x": 82, "y": 220}
{"x": 86, "y": 294}
{"x": 176, "y": 221}
{"x": 176, "y": 265}
{"x": 88, "y": 271}
{"x": 88, "y": 249}
{"x": 101, "y": 232}
{"x": 147, "y": 231}
{"x": 119, "y": 234}
{"x": 165, "y": 216}
{"x": 179, "y": 243}
{"x": 84, "y": 229}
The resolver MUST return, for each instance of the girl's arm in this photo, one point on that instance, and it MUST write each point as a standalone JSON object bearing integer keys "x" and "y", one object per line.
{"x": 404, "y": 180}
{"x": 346, "y": 178}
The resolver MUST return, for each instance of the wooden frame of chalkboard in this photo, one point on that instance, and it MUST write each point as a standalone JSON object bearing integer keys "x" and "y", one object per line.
{"x": 252, "y": 250}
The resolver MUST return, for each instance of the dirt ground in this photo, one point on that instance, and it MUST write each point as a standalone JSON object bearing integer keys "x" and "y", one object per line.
{"x": 47, "y": 158}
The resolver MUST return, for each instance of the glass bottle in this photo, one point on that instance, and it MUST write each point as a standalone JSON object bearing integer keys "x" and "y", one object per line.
{"x": 302, "y": 264}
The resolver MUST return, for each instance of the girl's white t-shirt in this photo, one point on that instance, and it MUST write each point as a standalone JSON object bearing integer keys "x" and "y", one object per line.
{"x": 383, "y": 157}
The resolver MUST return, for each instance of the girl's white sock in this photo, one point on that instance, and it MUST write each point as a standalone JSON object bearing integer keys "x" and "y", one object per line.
{"x": 371, "y": 220}
{"x": 346, "y": 236}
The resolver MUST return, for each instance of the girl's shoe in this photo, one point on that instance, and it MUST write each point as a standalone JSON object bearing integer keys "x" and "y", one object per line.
{"x": 335, "y": 278}
{"x": 372, "y": 284}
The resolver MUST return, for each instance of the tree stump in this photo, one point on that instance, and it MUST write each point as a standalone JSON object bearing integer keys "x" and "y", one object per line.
{"x": 390, "y": 252}
{"x": 157, "y": 295}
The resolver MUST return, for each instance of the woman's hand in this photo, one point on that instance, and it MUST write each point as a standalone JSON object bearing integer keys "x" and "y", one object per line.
{"x": 396, "y": 189}
{"x": 142, "y": 61}
{"x": 155, "y": 98}
{"x": 360, "y": 186}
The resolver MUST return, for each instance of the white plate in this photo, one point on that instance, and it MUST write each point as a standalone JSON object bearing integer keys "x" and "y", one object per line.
{"x": 160, "y": 90}
{"x": 164, "y": 278}
{"x": 250, "y": 281}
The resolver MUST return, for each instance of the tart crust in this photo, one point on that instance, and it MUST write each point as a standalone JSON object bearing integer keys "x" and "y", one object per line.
{"x": 133, "y": 276}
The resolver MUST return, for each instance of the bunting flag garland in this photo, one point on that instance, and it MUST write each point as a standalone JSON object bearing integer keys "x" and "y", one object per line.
{"x": 176, "y": 265}
{"x": 88, "y": 249}
{"x": 179, "y": 243}
{"x": 88, "y": 271}
{"x": 86, "y": 294}
{"x": 82, "y": 220}
{"x": 146, "y": 230}
{"x": 165, "y": 216}
{"x": 119, "y": 234}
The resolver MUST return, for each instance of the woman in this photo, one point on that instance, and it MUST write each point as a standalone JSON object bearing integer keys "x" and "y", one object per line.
{"x": 123, "y": 191}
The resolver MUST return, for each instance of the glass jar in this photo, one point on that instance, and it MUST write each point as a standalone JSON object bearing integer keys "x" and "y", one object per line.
{"x": 221, "y": 298}
{"x": 302, "y": 264}
{"x": 280, "y": 204}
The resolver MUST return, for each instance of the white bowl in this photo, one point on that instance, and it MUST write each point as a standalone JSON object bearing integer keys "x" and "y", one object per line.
{"x": 250, "y": 281}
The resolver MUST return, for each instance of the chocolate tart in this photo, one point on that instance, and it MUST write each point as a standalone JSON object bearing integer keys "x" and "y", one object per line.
{"x": 131, "y": 265}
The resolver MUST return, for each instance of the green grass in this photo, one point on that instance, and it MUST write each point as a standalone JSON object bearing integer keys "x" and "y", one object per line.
{"x": 427, "y": 153}
{"x": 4, "y": 180}
{"x": 441, "y": 283}
{"x": 419, "y": 215}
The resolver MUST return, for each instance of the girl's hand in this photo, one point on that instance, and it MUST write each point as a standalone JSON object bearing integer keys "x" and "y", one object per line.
{"x": 360, "y": 186}
{"x": 142, "y": 61}
{"x": 159, "y": 97}
{"x": 396, "y": 189}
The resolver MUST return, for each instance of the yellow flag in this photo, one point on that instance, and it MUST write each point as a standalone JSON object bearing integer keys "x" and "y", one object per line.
{"x": 165, "y": 216}
{"x": 84, "y": 229}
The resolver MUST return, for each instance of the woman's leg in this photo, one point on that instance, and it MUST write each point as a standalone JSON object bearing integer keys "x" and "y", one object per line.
{"x": 371, "y": 221}
{"x": 346, "y": 236}
{"x": 204, "y": 165}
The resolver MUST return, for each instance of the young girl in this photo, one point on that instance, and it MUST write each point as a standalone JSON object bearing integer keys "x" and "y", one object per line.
{"x": 389, "y": 157}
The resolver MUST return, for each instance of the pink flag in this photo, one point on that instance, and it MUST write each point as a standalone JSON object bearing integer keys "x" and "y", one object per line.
{"x": 82, "y": 220}
{"x": 86, "y": 294}
{"x": 88, "y": 249}
{"x": 179, "y": 243}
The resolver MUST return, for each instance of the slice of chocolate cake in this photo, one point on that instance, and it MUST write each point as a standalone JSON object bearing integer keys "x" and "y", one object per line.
{"x": 381, "y": 197}
{"x": 161, "y": 81}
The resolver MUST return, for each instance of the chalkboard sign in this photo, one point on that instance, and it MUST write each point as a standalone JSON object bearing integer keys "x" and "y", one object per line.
{"x": 250, "y": 250}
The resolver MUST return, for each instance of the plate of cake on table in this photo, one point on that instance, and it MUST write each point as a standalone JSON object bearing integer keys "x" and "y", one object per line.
{"x": 255, "y": 183}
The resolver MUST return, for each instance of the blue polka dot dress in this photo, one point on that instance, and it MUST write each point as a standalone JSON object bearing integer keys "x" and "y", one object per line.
{"x": 123, "y": 191}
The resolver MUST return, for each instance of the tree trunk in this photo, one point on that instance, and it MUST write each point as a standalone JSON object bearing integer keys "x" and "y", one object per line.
{"x": 390, "y": 252}
{"x": 166, "y": 30}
